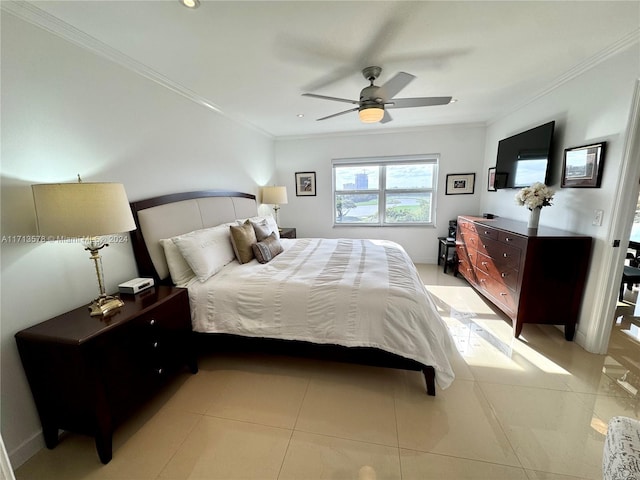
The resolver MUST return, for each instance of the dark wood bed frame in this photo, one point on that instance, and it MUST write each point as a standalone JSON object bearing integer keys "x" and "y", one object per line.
{"x": 225, "y": 342}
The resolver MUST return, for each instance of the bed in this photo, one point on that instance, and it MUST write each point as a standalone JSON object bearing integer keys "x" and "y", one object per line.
{"x": 355, "y": 300}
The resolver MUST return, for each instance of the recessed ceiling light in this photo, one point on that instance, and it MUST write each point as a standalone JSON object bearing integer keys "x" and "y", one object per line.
{"x": 190, "y": 3}
{"x": 453, "y": 100}
{"x": 300, "y": 115}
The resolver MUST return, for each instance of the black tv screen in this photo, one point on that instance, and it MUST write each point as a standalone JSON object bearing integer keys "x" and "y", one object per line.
{"x": 524, "y": 159}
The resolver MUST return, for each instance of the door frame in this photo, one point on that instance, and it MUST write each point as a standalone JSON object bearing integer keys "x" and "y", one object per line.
{"x": 625, "y": 202}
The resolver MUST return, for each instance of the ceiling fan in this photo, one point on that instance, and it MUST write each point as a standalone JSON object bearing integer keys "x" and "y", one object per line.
{"x": 374, "y": 101}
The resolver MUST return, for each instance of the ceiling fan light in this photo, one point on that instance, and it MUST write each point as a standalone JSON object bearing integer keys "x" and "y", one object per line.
{"x": 190, "y": 3}
{"x": 371, "y": 114}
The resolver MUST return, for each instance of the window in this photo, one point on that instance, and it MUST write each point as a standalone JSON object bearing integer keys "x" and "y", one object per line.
{"x": 385, "y": 191}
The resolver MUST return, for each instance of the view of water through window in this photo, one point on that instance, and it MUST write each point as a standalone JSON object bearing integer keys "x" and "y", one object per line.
{"x": 401, "y": 191}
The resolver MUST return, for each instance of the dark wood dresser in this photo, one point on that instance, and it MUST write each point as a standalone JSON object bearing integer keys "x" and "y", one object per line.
{"x": 532, "y": 276}
{"x": 88, "y": 373}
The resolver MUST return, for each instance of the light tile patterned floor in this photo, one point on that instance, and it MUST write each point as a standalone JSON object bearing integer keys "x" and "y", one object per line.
{"x": 533, "y": 408}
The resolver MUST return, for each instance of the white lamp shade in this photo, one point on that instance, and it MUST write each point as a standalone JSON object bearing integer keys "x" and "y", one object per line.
{"x": 82, "y": 209}
{"x": 274, "y": 195}
{"x": 371, "y": 114}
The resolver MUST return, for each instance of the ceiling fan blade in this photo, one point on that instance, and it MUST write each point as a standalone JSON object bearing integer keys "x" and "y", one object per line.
{"x": 417, "y": 102}
{"x": 338, "y": 114}
{"x": 330, "y": 78}
{"x": 386, "y": 118}
{"x": 336, "y": 99}
{"x": 394, "y": 85}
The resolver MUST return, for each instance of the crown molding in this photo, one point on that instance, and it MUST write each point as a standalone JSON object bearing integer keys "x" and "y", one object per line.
{"x": 38, "y": 17}
{"x": 624, "y": 43}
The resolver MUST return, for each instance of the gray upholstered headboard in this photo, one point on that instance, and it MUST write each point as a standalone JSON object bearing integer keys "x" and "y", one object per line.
{"x": 171, "y": 215}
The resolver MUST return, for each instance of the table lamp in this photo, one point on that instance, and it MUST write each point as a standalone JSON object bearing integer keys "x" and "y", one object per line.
{"x": 275, "y": 196}
{"x": 87, "y": 211}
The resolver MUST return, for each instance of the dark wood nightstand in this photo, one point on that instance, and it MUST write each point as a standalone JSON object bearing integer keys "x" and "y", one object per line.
{"x": 287, "y": 232}
{"x": 88, "y": 373}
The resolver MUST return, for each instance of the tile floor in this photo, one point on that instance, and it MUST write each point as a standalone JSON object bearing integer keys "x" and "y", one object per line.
{"x": 534, "y": 408}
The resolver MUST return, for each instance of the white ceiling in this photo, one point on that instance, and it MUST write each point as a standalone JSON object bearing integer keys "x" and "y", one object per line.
{"x": 253, "y": 60}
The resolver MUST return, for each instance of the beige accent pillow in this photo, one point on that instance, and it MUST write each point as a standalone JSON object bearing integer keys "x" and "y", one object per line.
{"x": 267, "y": 249}
{"x": 242, "y": 238}
{"x": 268, "y": 220}
{"x": 179, "y": 269}
{"x": 206, "y": 251}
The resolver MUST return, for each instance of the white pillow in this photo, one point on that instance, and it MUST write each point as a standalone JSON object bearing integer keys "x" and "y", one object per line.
{"x": 206, "y": 251}
{"x": 179, "y": 269}
{"x": 270, "y": 221}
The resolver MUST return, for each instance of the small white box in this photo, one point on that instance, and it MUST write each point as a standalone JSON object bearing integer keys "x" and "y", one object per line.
{"x": 136, "y": 285}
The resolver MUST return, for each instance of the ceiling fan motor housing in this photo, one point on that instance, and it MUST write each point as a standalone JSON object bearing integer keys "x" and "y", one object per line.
{"x": 370, "y": 95}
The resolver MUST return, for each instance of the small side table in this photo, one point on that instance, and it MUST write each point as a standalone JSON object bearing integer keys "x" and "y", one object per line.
{"x": 287, "y": 232}
{"x": 445, "y": 244}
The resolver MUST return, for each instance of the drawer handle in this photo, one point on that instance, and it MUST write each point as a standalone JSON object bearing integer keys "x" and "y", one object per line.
{"x": 484, "y": 246}
{"x": 486, "y": 233}
{"x": 484, "y": 264}
{"x": 159, "y": 371}
{"x": 503, "y": 294}
{"x": 508, "y": 239}
{"x": 482, "y": 280}
{"x": 505, "y": 255}
{"x": 152, "y": 321}
{"x": 504, "y": 275}
{"x": 155, "y": 344}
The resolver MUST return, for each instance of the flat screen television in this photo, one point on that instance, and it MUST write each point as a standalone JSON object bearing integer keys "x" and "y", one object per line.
{"x": 525, "y": 158}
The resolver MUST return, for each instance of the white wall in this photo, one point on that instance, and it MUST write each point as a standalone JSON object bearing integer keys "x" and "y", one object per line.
{"x": 66, "y": 111}
{"x": 590, "y": 108}
{"x": 461, "y": 149}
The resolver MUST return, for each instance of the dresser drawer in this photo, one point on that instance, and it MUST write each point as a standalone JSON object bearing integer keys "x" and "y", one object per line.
{"x": 503, "y": 296}
{"x": 465, "y": 224}
{"x": 507, "y": 276}
{"x": 470, "y": 239}
{"x": 504, "y": 256}
{"x": 514, "y": 240}
{"x": 487, "y": 232}
{"x": 465, "y": 266}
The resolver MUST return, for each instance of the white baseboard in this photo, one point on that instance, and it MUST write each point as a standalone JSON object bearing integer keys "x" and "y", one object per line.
{"x": 26, "y": 449}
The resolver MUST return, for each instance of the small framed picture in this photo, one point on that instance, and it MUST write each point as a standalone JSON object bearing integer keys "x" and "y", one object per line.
{"x": 491, "y": 180}
{"x": 582, "y": 166}
{"x": 460, "y": 183}
{"x": 306, "y": 184}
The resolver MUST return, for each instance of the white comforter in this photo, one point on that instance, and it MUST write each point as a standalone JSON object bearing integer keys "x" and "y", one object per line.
{"x": 364, "y": 293}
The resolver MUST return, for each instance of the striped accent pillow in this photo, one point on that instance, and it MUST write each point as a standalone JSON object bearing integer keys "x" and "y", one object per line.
{"x": 267, "y": 249}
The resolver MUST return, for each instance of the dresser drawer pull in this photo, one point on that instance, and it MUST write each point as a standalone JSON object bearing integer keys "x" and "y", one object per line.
{"x": 482, "y": 280}
{"x": 152, "y": 321}
{"x": 484, "y": 246}
{"x": 484, "y": 264}
{"x": 486, "y": 232}
{"x": 505, "y": 255}
{"x": 155, "y": 344}
{"x": 159, "y": 371}
{"x": 508, "y": 239}
{"x": 504, "y": 275}
{"x": 503, "y": 294}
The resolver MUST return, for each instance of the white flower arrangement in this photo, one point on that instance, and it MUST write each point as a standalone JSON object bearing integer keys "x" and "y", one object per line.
{"x": 537, "y": 195}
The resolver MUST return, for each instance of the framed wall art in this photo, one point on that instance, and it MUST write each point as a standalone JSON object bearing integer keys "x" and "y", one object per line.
{"x": 582, "y": 166}
{"x": 306, "y": 184}
{"x": 460, "y": 183}
{"x": 491, "y": 180}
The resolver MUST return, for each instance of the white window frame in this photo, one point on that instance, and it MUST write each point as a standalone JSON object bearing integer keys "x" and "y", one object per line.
{"x": 381, "y": 191}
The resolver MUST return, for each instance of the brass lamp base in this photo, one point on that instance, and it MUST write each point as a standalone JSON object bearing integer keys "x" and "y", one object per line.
{"x": 104, "y": 306}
